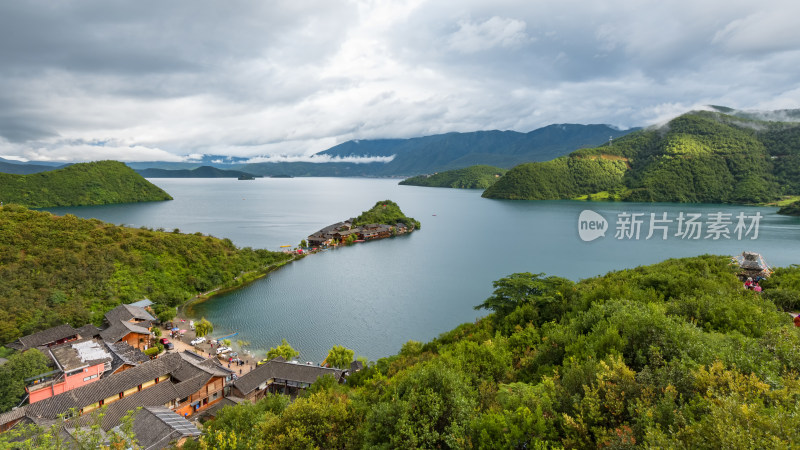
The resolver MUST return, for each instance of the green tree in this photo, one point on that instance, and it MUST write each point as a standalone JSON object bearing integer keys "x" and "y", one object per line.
{"x": 525, "y": 288}
{"x": 226, "y": 342}
{"x": 13, "y": 374}
{"x": 284, "y": 350}
{"x": 303, "y": 243}
{"x": 203, "y": 327}
{"x": 340, "y": 357}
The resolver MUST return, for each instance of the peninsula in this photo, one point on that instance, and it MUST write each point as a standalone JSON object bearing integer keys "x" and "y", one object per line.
{"x": 94, "y": 183}
{"x": 385, "y": 219}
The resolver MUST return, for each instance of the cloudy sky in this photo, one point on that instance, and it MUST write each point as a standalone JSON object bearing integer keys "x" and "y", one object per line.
{"x": 153, "y": 80}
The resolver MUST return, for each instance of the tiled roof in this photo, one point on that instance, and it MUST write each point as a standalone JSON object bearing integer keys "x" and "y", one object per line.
{"x": 128, "y": 312}
{"x": 88, "y": 331}
{"x": 105, "y": 387}
{"x": 123, "y": 353}
{"x": 43, "y": 337}
{"x": 278, "y": 368}
{"x": 158, "y": 395}
{"x": 156, "y": 427}
{"x": 119, "y": 329}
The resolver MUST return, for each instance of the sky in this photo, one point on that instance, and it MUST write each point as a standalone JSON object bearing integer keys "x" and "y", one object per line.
{"x": 281, "y": 80}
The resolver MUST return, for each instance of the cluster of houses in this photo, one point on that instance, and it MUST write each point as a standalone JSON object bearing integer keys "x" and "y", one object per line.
{"x": 106, "y": 368}
{"x": 342, "y": 231}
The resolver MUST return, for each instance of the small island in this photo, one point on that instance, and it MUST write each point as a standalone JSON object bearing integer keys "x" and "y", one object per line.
{"x": 384, "y": 220}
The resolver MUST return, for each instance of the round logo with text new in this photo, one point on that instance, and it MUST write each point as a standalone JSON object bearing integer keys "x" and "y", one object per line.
{"x": 591, "y": 225}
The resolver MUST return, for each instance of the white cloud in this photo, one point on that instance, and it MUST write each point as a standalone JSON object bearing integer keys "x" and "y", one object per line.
{"x": 494, "y": 32}
{"x": 294, "y": 78}
{"x": 321, "y": 159}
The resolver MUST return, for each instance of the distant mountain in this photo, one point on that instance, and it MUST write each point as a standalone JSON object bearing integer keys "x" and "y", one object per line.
{"x": 200, "y": 172}
{"x": 702, "y": 156}
{"x": 218, "y": 161}
{"x": 472, "y": 177}
{"x": 23, "y": 168}
{"x": 458, "y": 150}
{"x": 443, "y": 152}
{"x": 94, "y": 183}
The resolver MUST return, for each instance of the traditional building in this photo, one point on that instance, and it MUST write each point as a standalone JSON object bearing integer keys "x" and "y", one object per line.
{"x": 183, "y": 382}
{"x": 78, "y": 363}
{"x": 280, "y": 376}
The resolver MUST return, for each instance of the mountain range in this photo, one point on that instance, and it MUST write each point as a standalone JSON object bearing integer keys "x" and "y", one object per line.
{"x": 717, "y": 156}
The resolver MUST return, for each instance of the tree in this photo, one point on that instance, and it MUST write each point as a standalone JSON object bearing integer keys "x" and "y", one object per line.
{"x": 340, "y": 357}
{"x": 522, "y": 288}
{"x": 284, "y": 350}
{"x": 303, "y": 243}
{"x": 167, "y": 314}
{"x": 203, "y": 327}
{"x": 226, "y": 342}
{"x": 13, "y": 374}
{"x": 156, "y": 332}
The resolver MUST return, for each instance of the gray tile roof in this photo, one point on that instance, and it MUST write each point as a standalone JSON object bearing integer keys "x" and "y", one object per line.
{"x": 43, "y": 337}
{"x": 156, "y": 427}
{"x": 278, "y": 368}
{"x": 158, "y": 395}
{"x": 88, "y": 331}
{"x": 123, "y": 353}
{"x": 119, "y": 329}
{"x": 128, "y": 312}
{"x": 105, "y": 387}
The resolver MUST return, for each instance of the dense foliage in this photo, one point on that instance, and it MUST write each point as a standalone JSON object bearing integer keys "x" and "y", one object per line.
{"x": 792, "y": 209}
{"x": 385, "y": 212}
{"x": 94, "y": 183}
{"x": 699, "y": 157}
{"x": 473, "y": 177}
{"x": 673, "y": 355}
{"x": 65, "y": 269}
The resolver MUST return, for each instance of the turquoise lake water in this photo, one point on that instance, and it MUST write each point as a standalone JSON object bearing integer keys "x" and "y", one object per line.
{"x": 375, "y": 296}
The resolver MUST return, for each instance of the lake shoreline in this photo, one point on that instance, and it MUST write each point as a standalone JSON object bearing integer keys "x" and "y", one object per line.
{"x": 184, "y": 309}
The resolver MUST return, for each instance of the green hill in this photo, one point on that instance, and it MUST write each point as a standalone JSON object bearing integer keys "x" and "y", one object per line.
{"x": 199, "y": 172}
{"x": 673, "y": 355}
{"x": 386, "y": 212}
{"x": 473, "y": 177}
{"x": 705, "y": 157}
{"x": 57, "y": 270}
{"x": 95, "y": 183}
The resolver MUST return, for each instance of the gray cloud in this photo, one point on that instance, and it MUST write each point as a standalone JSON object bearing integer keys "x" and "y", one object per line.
{"x": 153, "y": 79}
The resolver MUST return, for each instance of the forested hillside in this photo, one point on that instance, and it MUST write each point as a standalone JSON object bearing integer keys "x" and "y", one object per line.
{"x": 56, "y": 269}
{"x": 673, "y": 355}
{"x": 385, "y": 212}
{"x": 95, "y": 183}
{"x": 472, "y": 177}
{"x": 704, "y": 156}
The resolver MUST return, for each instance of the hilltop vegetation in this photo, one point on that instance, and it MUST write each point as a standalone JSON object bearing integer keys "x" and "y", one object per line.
{"x": 95, "y": 183}
{"x": 385, "y": 212}
{"x": 57, "y": 270}
{"x": 473, "y": 177}
{"x": 792, "y": 209}
{"x": 673, "y": 355}
{"x": 705, "y": 157}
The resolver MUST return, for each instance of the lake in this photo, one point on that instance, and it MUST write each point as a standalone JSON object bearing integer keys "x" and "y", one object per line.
{"x": 373, "y": 297}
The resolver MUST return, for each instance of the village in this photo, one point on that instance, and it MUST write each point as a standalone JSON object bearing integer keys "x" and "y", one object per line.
{"x": 346, "y": 232}
{"x": 114, "y": 367}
